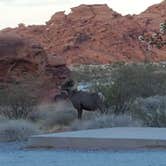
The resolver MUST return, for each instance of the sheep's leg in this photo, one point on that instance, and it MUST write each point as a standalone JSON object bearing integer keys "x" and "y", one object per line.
{"x": 79, "y": 113}
{"x": 102, "y": 108}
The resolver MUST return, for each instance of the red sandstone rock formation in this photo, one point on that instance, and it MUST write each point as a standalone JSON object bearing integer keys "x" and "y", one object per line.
{"x": 21, "y": 57}
{"x": 95, "y": 34}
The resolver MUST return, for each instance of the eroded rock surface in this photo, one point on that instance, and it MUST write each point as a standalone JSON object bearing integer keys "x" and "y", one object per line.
{"x": 21, "y": 57}
{"x": 95, "y": 34}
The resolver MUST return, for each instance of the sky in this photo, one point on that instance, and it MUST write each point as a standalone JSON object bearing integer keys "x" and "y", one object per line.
{"x": 29, "y": 12}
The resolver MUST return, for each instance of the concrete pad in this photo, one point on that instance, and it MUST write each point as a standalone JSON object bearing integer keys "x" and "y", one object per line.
{"x": 107, "y": 138}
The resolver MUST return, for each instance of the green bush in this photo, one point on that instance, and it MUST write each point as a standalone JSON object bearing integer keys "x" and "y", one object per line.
{"x": 132, "y": 81}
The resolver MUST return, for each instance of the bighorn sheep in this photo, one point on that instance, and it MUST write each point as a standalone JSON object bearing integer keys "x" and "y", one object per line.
{"x": 82, "y": 100}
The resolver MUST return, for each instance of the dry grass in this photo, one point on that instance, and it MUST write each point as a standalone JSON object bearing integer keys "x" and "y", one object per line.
{"x": 105, "y": 121}
{"x": 60, "y": 116}
{"x": 56, "y": 115}
{"x": 17, "y": 130}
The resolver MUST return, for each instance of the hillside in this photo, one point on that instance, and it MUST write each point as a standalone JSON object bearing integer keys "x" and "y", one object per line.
{"x": 95, "y": 34}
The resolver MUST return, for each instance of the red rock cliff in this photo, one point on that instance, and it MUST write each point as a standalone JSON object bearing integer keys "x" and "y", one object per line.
{"x": 21, "y": 57}
{"x": 94, "y": 34}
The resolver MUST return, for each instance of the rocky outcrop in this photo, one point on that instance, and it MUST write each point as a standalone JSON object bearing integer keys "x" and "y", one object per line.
{"x": 95, "y": 34}
{"x": 153, "y": 16}
{"x": 149, "y": 21}
{"x": 21, "y": 57}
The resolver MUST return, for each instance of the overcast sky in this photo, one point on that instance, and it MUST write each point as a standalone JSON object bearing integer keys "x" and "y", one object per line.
{"x": 13, "y": 12}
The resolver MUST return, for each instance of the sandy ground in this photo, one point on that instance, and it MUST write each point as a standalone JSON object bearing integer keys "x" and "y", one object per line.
{"x": 11, "y": 154}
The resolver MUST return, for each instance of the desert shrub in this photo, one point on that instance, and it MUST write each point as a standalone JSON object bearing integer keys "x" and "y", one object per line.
{"x": 132, "y": 81}
{"x": 18, "y": 100}
{"x": 149, "y": 40}
{"x": 52, "y": 115}
{"x": 41, "y": 112}
{"x": 151, "y": 110}
{"x": 155, "y": 39}
{"x": 105, "y": 121}
{"x": 58, "y": 118}
{"x": 36, "y": 116}
{"x": 17, "y": 130}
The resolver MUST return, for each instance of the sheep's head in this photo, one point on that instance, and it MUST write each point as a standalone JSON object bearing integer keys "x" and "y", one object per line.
{"x": 68, "y": 85}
